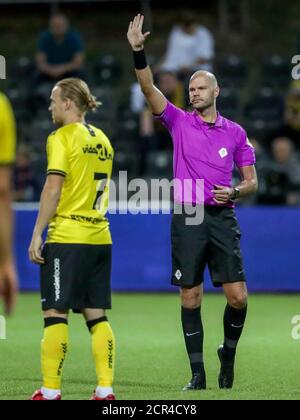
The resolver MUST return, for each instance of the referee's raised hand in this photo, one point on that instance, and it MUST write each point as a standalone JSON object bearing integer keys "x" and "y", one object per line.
{"x": 135, "y": 35}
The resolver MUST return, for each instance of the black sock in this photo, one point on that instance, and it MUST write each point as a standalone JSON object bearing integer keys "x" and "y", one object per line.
{"x": 193, "y": 336}
{"x": 234, "y": 320}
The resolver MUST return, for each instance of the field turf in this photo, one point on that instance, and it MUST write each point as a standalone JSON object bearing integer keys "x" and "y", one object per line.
{"x": 151, "y": 360}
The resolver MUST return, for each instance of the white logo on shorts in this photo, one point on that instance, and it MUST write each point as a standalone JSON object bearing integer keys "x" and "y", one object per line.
{"x": 178, "y": 274}
{"x": 57, "y": 278}
{"x": 223, "y": 152}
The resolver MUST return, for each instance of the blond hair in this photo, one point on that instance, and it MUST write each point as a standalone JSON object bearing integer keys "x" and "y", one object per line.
{"x": 78, "y": 91}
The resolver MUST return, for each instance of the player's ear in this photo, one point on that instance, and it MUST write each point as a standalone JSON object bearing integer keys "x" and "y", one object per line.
{"x": 67, "y": 104}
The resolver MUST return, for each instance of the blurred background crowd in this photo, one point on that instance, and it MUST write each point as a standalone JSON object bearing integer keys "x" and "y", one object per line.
{"x": 249, "y": 45}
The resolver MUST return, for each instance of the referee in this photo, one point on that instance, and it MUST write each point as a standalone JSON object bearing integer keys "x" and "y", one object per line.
{"x": 206, "y": 147}
{"x": 8, "y": 276}
{"x": 76, "y": 260}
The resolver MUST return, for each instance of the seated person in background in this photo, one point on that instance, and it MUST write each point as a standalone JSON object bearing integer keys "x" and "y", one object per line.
{"x": 281, "y": 176}
{"x": 60, "y": 51}
{"x": 190, "y": 47}
{"x": 291, "y": 124}
{"x": 26, "y": 187}
{"x": 153, "y": 135}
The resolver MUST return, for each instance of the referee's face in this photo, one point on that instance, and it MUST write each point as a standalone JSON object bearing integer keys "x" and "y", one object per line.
{"x": 202, "y": 93}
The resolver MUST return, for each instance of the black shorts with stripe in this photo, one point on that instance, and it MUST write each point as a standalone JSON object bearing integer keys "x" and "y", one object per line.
{"x": 76, "y": 276}
{"x": 214, "y": 243}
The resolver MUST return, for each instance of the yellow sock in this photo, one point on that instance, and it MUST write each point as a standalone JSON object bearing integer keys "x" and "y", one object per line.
{"x": 54, "y": 347}
{"x": 103, "y": 345}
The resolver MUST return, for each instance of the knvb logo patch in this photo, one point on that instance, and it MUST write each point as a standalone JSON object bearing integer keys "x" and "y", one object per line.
{"x": 2, "y": 328}
{"x": 2, "y": 67}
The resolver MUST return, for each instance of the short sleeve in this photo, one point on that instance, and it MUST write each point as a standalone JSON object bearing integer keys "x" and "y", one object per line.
{"x": 77, "y": 42}
{"x": 7, "y": 132}
{"x": 42, "y": 42}
{"x": 57, "y": 155}
{"x": 205, "y": 44}
{"x": 170, "y": 116}
{"x": 245, "y": 153}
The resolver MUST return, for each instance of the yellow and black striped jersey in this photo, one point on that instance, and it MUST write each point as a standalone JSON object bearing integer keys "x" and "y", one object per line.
{"x": 84, "y": 156}
{"x": 7, "y": 132}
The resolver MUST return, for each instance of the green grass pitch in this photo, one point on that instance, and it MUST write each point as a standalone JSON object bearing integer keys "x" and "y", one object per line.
{"x": 151, "y": 361}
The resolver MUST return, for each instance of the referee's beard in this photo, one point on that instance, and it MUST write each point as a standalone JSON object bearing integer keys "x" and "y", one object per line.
{"x": 204, "y": 106}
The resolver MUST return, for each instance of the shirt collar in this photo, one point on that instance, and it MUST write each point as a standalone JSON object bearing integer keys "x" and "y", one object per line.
{"x": 219, "y": 121}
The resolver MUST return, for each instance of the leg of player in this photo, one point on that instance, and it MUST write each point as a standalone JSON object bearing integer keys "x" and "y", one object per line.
{"x": 103, "y": 346}
{"x": 191, "y": 300}
{"x": 54, "y": 347}
{"x": 234, "y": 320}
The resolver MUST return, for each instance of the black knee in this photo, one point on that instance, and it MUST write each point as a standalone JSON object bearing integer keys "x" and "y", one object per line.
{"x": 54, "y": 320}
{"x": 92, "y": 323}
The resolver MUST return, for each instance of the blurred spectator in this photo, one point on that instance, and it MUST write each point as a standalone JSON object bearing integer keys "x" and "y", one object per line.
{"x": 26, "y": 187}
{"x": 153, "y": 135}
{"x": 291, "y": 126}
{"x": 281, "y": 176}
{"x": 60, "y": 51}
{"x": 190, "y": 47}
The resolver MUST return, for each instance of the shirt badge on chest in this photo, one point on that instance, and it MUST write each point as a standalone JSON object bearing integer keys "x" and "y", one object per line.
{"x": 223, "y": 152}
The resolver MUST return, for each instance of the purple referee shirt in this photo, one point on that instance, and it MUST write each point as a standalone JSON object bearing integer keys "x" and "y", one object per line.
{"x": 204, "y": 151}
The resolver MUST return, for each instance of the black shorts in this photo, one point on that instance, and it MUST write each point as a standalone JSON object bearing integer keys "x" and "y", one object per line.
{"x": 76, "y": 277}
{"x": 215, "y": 242}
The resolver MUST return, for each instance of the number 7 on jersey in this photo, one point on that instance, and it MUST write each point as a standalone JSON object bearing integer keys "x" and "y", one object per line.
{"x": 101, "y": 185}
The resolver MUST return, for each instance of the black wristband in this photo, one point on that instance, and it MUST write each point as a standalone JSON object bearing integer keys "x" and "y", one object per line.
{"x": 140, "y": 62}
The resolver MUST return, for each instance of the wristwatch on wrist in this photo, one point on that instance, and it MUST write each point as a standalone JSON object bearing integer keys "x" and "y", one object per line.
{"x": 235, "y": 193}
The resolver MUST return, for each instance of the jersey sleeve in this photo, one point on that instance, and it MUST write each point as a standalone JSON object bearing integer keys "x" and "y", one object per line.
{"x": 57, "y": 155}
{"x": 171, "y": 116}
{"x": 7, "y": 132}
{"x": 245, "y": 153}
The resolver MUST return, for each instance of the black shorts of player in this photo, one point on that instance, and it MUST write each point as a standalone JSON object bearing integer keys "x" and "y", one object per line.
{"x": 76, "y": 277}
{"x": 215, "y": 242}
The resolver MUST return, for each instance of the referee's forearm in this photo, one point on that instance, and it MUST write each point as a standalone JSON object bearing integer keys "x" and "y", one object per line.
{"x": 145, "y": 79}
{"x": 247, "y": 187}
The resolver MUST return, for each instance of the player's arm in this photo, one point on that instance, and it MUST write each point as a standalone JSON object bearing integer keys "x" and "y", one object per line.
{"x": 49, "y": 201}
{"x": 247, "y": 186}
{"x": 136, "y": 39}
{"x": 8, "y": 275}
{"x": 6, "y": 216}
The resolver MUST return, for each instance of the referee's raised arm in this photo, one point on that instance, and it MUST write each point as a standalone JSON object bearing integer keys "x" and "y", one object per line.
{"x": 136, "y": 39}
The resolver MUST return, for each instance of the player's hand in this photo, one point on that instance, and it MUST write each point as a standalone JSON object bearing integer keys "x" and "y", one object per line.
{"x": 8, "y": 286}
{"x": 222, "y": 195}
{"x": 135, "y": 35}
{"x": 35, "y": 250}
